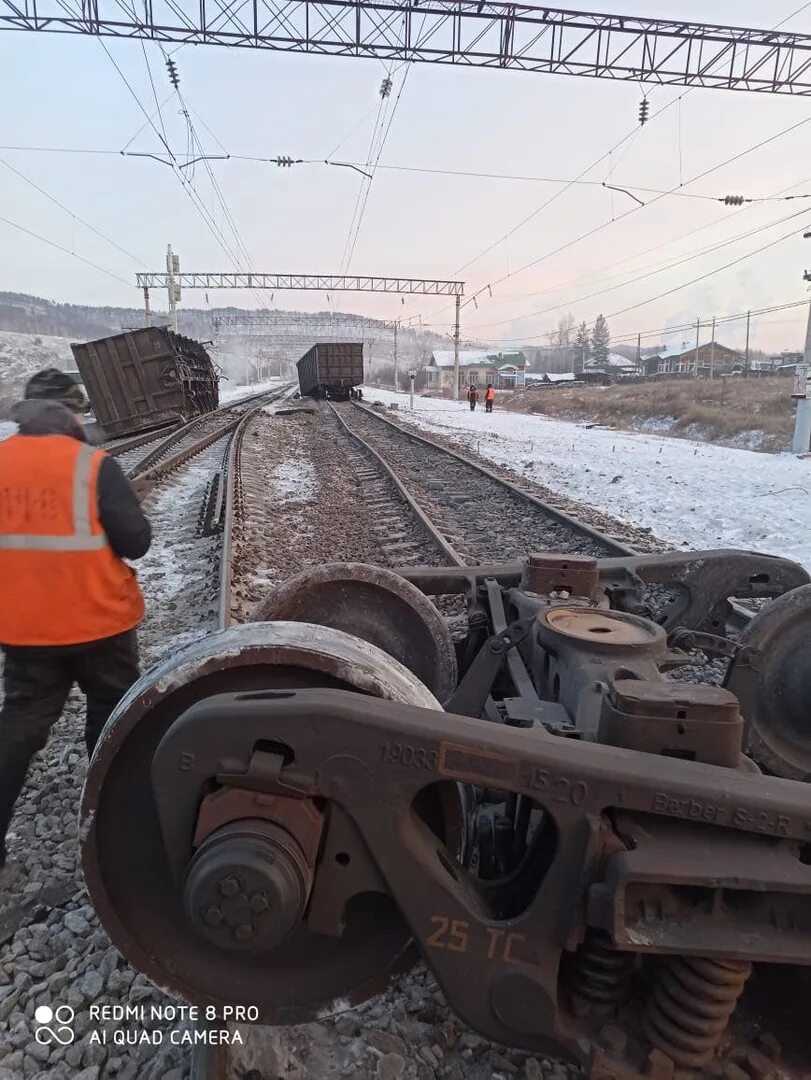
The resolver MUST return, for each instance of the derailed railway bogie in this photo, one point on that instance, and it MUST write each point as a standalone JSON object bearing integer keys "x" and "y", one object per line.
{"x": 581, "y": 849}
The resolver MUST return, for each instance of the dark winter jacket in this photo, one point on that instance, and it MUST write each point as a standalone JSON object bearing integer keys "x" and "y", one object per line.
{"x": 127, "y": 530}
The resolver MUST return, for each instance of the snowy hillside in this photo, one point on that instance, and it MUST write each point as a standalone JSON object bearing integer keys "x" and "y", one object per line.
{"x": 21, "y": 355}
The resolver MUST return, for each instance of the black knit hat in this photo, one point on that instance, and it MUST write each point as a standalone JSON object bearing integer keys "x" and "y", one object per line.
{"x": 55, "y": 385}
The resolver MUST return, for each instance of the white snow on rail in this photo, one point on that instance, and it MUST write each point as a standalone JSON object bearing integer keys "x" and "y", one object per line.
{"x": 692, "y": 494}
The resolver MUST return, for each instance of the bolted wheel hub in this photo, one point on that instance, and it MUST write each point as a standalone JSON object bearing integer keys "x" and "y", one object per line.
{"x": 247, "y": 886}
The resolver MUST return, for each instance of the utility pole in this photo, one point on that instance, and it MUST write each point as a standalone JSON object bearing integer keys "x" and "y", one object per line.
{"x": 638, "y": 353}
{"x": 802, "y": 418}
{"x": 396, "y": 380}
{"x": 712, "y": 350}
{"x": 172, "y": 268}
{"x": 147, "y": 308}
{"x": 748, "y": 323}
{"x": 698, "y": 335}
{"x": 456, "y": 349}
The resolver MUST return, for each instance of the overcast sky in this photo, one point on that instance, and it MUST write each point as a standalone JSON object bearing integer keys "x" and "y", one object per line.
{"x": 63, "y": 91}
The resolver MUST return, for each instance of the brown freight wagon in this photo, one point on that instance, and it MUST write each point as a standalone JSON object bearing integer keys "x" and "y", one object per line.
{"x": 330, "y": 369}
{"x": 143, "y": 379}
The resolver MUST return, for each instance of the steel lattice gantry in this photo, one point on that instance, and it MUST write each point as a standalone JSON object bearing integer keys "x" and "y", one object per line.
{"x": 249, "y": 321}
{"x": 303, "y": 282}
{"x": 478, "y": 34}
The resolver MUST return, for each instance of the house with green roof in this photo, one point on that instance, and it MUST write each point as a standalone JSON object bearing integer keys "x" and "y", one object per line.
{"x": 505, "y": 370}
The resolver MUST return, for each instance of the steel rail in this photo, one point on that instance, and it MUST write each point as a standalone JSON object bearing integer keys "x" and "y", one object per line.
{"x": 156, "y": 467}
{"x": 447, "y": 549}
{"x": 138, "y": 440}
{"x": 617, "y": 547}
{"x": 180, "y": 432}
{"x": 229, "y": 488}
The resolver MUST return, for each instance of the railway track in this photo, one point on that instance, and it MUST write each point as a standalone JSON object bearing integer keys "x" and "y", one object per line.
{"x": 474, "y": 514}
{"x": 139, "y": 454}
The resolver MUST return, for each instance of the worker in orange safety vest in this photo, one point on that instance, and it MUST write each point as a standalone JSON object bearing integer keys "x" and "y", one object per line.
{"x": 69, "y": 604}
{"x": 489, "y": 398}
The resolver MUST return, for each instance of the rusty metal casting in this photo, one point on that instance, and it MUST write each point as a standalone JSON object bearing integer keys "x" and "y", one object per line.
{"x": 374, "y": 604}
{"x": 590, "y": 862}
{"x": 771, "y": 675}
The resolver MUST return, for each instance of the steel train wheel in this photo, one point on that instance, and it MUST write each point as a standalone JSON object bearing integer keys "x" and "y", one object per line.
{"x": 772, "y": 679}
{"x": 126, "y": 869}
{"x": 374, "y": 604}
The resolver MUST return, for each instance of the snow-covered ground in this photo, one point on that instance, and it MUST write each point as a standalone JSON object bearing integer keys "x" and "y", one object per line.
{"x": 231, "y": 392}
{"x": 21, "y": 355}
{"x": 693, "y": 494}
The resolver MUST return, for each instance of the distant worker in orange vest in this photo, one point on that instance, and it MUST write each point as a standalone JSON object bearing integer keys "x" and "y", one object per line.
{"x": 69, "y": 604}
{"x": 489, "y": 398}
{"x": 473, "y": 396}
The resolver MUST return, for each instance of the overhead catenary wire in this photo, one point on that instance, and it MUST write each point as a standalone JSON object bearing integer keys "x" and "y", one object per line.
{"x": 634, "y": 210}
{"x": 64, "y": 250}
{"x": 72, "y": 213}
{"x": 184, "y": 181}
{"x": 650, "y": 271}
{"x": 599, "y": 273}
{"x": 375, "y": 166}
{"x": 687, "y": 327}
{"x": 287, "y": 160}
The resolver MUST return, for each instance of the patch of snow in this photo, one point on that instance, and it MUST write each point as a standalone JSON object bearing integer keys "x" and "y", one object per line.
{"x": 236, "y": 393}
{"x": 695, "y": 495}
{"x": 294, "y": 481}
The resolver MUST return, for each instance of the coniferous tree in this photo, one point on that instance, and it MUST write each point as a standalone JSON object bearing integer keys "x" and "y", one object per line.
{"x": 600, "y": 340}
{"x": 582, "y": 344}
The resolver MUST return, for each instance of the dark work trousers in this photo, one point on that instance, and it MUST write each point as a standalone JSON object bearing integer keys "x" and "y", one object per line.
{"x": 472, "y": 404}
{"x": 37, "y": 681}
{"x": 488, "y": 406}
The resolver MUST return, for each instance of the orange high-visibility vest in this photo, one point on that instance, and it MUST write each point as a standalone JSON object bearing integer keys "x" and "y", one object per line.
{"x": 489, "y": 394}
{"x": 60, "y": 581}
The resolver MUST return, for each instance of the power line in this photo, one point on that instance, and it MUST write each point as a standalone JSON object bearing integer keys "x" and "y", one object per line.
{"x": 74, "y": 215}
{"x": 375, "y": 166}
{"x": 568, "y": 186}
{"x": 184, "y": 181}
{"x": 682, "y": 327}
{"x": 711, "y": 273}
{"x": 649, "y": 271}
{"x": 599, "y": 274}
{"x": 634, "y": 210}
{"x": 64, "y": 250}
{"x": 729, "y": 200}
{"x": 692, "y": 281}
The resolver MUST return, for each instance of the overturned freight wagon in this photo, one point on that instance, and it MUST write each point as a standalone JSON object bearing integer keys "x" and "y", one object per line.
{"x": 331, "y": 369}
{"x": 143, "y": 379}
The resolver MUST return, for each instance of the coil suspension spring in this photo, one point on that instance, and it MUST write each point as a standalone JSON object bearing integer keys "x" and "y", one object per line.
{"x": 690, "y": 1005}
{"x": 602, "y": 973}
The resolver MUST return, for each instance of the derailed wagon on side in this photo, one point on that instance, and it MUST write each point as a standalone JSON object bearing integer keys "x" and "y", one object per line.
{"x": 331, "y": 369}
{"x": 143, "y": 379}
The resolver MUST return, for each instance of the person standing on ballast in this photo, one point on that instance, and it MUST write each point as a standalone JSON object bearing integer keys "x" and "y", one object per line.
{"x": 69, "y": 603}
